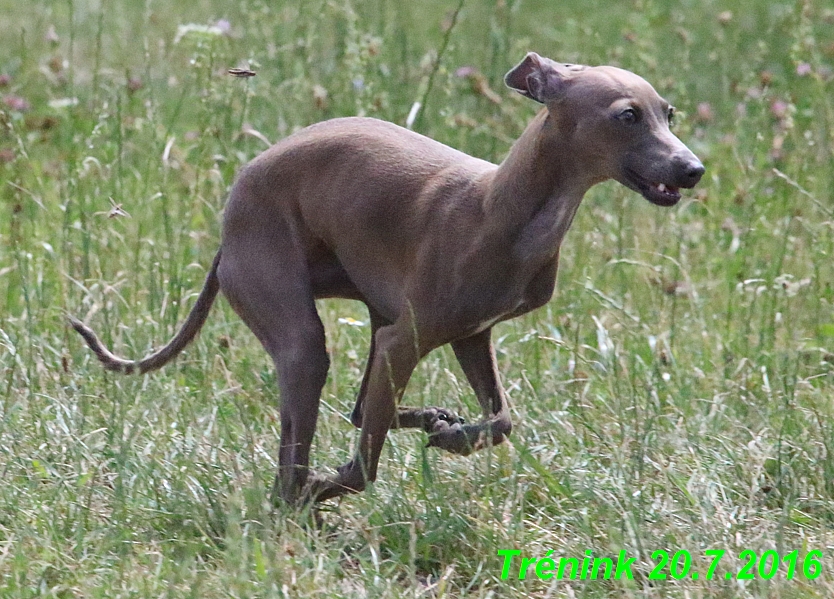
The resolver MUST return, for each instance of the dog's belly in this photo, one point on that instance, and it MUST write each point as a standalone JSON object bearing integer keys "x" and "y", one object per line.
{"x": 330, "y": 279}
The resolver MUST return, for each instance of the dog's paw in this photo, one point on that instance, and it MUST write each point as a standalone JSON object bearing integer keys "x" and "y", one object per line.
{"x": 463, "y": 439}
{"x": 446, "y": 430}
{"x": 316, "y": 485}
{"x": 439, "y": 420}
{"x": 455, "y": 438}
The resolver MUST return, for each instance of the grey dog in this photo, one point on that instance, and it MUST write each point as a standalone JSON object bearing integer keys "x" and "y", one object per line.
{"x": 439, "y": 246}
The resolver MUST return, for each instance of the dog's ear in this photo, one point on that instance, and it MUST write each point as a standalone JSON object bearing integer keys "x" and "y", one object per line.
{"x": 540, "y": 78}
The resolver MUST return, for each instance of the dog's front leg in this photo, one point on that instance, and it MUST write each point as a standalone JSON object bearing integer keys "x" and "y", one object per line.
{"x": 394, "y": 358}
{"x": 377, "y": 322}
{"x": 477, "y": 358}
{"x": 430, "y": 419}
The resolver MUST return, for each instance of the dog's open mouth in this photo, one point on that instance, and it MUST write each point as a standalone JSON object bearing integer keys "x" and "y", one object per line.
{"x": 657, "y": 193}
{"x": 662, "y": 194}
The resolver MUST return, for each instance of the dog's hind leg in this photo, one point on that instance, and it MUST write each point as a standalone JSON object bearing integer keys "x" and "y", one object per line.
{"x": 266, "y": 281}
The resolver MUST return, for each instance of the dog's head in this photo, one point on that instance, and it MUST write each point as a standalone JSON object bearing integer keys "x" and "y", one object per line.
{"x": 619, "y": 122}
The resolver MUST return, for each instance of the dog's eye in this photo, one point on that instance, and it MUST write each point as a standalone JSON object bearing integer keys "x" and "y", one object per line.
{"x": 670, "y": 115}
{"x": 629, "y": 116}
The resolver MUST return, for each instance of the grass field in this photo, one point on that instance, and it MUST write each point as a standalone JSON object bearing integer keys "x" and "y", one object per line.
{"x": 677, "y": 394}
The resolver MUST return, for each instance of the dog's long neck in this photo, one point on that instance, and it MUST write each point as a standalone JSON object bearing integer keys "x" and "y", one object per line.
{"x": 536, "y": 190}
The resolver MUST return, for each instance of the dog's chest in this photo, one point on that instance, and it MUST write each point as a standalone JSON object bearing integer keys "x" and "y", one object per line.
{"x": 538, "y": 290}
{"x": 518, "y": 297}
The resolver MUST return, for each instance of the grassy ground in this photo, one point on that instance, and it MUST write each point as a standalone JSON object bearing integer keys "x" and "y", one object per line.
{"x": 676, "y": 394}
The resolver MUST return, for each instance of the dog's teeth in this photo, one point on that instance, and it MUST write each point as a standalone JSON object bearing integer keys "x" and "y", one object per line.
{"x": 661, "y": 187}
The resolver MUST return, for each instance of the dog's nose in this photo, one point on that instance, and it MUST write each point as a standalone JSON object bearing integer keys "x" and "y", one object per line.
{"x": 688, "y": 169}
{"x": 693, "y": 172}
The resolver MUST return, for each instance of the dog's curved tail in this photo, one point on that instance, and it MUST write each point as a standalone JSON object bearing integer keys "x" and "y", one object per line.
{"x": 192, "y": 325}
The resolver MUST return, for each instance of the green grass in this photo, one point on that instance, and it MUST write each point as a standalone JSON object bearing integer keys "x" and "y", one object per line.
{"x": 676, "y": 394}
